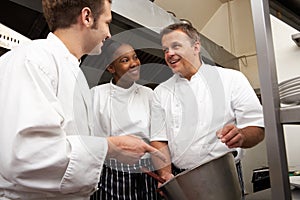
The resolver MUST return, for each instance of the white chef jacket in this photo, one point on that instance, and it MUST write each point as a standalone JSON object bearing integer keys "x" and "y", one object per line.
{"x": 187, "y": 114}
{"x": 120, "y": 111}
{"x": 123, "y": 111}
{"x": 47, "y": 150}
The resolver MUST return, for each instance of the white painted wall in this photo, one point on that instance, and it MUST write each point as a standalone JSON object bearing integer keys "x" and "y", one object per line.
{"x": 217, "y": 28}
{"x": 287, "y": 56}
{"x": 232, "y": 28}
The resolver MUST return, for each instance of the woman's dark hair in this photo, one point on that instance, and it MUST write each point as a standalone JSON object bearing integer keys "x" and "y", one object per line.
{"x": 108, "y": 50}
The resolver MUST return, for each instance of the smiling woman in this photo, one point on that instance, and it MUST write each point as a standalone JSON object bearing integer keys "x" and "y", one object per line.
{"x": 122, "y": 107}
{"x": 125, "y": 65}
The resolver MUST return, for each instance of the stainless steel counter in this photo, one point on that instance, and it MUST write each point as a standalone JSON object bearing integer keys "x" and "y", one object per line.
{"x": 266, "y": 195}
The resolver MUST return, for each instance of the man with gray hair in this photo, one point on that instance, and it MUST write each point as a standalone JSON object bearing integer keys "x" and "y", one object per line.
{"x": 202, "y": 112}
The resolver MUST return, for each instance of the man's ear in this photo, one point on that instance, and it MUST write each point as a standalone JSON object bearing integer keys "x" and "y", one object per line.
{"x": 111, "y": 69}
{"x": 87, "y": 17}
{"x": 197, "y": 47}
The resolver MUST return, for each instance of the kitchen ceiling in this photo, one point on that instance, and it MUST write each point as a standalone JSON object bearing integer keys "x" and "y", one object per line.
{"x": 199, "y": 12}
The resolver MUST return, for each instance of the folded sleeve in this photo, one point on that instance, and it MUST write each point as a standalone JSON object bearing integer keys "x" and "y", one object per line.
{"x": 158, "y": 119}
{"x": 247, "y": 108}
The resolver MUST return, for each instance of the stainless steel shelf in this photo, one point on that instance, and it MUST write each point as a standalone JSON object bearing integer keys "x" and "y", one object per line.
{"x": 274, "y": 115}
{"x": 290, "y": 115}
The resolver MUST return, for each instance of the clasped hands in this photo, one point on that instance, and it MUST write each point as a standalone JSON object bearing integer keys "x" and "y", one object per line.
{"x": 129, "y": 149}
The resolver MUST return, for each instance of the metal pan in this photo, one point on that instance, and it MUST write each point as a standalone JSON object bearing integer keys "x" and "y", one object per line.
{"x": 215, "y": 180}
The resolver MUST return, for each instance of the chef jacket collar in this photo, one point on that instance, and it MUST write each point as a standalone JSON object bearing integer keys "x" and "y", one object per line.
{"x": 197, "y": 74}
{"x": 62, "y": 50}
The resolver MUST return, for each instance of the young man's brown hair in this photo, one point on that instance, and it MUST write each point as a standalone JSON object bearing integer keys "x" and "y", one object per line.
{"x": 64, "y": 13}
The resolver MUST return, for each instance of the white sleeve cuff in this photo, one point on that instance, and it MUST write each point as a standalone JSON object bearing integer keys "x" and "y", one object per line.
{"x": 87, "y": 155}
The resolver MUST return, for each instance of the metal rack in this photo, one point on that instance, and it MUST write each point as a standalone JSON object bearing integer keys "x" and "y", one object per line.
{"x": 274, "y": 115}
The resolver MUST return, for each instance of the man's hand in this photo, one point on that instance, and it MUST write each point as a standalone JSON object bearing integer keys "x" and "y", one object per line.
{"x": 129, "y": 149}
{"x": 231, "y": 136}
{"x": 166, "y": 177}
{"x": 163, "y": 169}
{"x": 246, "y": 137}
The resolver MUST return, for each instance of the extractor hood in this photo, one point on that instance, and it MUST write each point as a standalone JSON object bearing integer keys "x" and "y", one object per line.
{"x": 137, "y": 22}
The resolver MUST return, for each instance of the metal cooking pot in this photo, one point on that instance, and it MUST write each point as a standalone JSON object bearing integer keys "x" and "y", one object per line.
{"x": 215, "y": 180}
